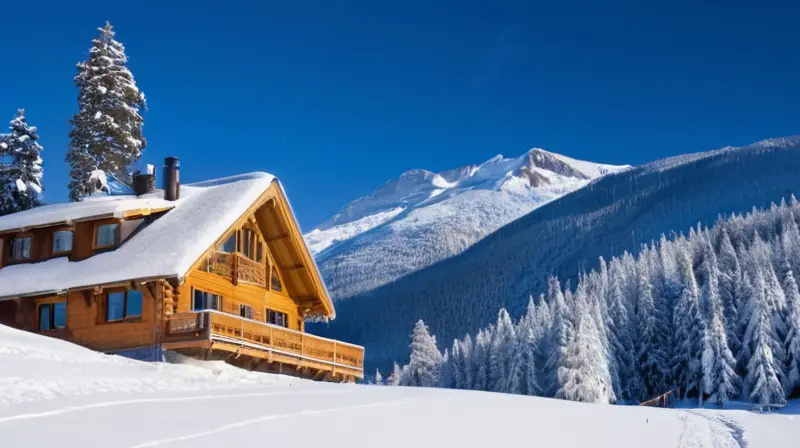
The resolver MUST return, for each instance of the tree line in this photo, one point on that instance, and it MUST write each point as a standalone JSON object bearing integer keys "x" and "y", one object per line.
{"x": 715, "y": 314}
{"x": 106, "y": 132}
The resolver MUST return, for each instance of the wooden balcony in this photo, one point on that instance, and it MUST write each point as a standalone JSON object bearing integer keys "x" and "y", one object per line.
{"x": 214, "y": 330}
{"x": 236, "y": 267}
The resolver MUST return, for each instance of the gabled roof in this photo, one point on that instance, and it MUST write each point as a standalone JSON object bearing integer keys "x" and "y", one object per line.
{"x": 166, "y": 248}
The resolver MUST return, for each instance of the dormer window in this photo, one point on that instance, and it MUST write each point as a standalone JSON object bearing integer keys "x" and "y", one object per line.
{"x": 106, "y": 236}
{"x": 19, "y": 248}
{"x": 62, "y": 242}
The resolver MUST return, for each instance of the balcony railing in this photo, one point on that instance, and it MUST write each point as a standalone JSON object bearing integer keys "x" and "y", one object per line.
{"x": 302, "y": 349}
{"x": 236, "y": 267}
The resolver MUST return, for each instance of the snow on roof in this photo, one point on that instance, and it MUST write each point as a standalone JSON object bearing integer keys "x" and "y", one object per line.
{"x": 166, "y": 248}
{"x": 92, "y": 208}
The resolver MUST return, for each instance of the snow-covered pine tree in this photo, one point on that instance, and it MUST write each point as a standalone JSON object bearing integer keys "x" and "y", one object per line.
{"x": 561, "y": 334}
{"x": 690, "y": 331}
{"x": 424, "y": 358}
{"x": 446, "y": 379}
{"x": 480, "y": 360}
{"x": 792, "y": 342}
{"x": 763, "y": 368}
{"x": 466, "y": 347}
{"x": 395, "y": 379}
{"x": 378, "y": 377}
{"x": 730, "y": 278}
{"x": 107, "y": 130}
{"x": 20, "y": 166}
{"x": 502, "y": 347}
{"x": 619, "y": 334}
{"x": 458, "y": 365}
{"x": 719, "y": 366}
{"x": 651, "y": 360}
{"x": 583, "y": 373}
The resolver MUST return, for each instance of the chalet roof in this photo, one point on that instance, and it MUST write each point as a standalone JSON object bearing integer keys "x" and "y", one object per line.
{"x": 168, "y": 247}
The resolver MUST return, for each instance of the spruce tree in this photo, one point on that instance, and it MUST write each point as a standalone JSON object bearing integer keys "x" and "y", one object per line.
{"x": 107, "y": 130}
{"x": 690, "y": 331}
{"x": 792, "y": 342}
{"x": 501, "y": 352}
{"x": 764, "y": 370}
{"x": 378, "y": 377}
{"x": 650, "y": 357}
{"x": 20, "y": 167}
{"x": 424, "y": 358}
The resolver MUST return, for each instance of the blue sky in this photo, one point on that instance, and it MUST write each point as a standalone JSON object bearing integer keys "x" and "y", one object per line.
{"x": 337, "y": 97}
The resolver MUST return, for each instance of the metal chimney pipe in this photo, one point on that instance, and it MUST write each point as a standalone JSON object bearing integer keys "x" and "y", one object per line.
{"x": 172, "y": 178}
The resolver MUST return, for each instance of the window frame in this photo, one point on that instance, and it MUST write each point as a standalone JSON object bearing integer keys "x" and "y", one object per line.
{"x": 51, "y": 309}
{"x": 10, "y": 247}
{"x": 96, "y": 233}
{"x": 245, "y": 311}
{"x": 275, "y": 275}
{"x": 206, "y": 299}
{"x": 269, "y": 313}
{"x": 125, "y": 317}
{"x": 62, "y": 253}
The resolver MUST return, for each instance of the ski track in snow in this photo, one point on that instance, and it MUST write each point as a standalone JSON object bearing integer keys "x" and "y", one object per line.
{"x": 269, "y": 417}
{"x": 722, "y": 431}
{"x": 108, "y": 404}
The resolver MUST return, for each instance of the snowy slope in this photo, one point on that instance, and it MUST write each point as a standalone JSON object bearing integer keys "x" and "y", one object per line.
{"x": 58, "y": 394}
{"x": 613, "y": 214}
{"x": 423, "y": 217}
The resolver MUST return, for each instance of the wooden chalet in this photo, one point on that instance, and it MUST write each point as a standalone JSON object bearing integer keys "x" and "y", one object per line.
{"x": 214, "y": 270}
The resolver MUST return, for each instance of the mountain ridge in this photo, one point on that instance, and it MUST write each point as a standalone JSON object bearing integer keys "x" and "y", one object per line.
{"x": 422, "y": 216}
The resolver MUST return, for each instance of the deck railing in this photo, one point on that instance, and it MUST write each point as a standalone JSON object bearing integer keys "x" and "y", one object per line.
{"x": 232, "y": 329}
{"x": 236, "y": 267}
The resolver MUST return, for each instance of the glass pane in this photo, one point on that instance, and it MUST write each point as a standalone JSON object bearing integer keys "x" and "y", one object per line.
{"x": 199, "y": 302}
{"x": 215, "y": 302}
{"x": 276, "y": 281}
{"x": 107, "y": 235}
{"x": 44, "y": 317}
{"x": 60, "y": 315}
{"x": 229, "y": 245}
{"x": 133, "y": 306}
{"x": 26, "y": 248}
{"x": 62, "y": 241}
{"x": 116, "y": 306}
{"x": 259, "y": 252}
{"x": 246, "y": 243}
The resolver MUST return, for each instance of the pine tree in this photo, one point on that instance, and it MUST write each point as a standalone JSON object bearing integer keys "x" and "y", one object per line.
{"x": 501, "y": 351}
{"x": 730, "y": 279}
{"x": 690, "y": 331}
{"x": 583, "y": 373}
{"x": 792, "y": 342}
{"x": 480, "y": 360}
{"x": 763, "y": 368}
{"x": 378, "y": 377}
{"x": 21, "y": 174}
{"x": 621, "y": 341}
{"x": 107, "y": 130}
{"x": 719, "y": 365}
{"x": 561, "y": 334}
{"x": 395, "y": 379}
{"x": 424, "y": 358}
{"x": 650, "y": 357}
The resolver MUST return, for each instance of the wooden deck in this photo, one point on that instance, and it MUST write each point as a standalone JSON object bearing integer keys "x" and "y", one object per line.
{"x": 215, "y": 331}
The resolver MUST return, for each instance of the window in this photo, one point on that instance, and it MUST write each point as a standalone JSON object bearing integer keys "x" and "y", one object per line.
{"x": 247, "y": 243}
{"x": 246, "y": 311}
{"x": 229, "y": 245}
{"x": 276, "y": 281}
{"x": 124, "y": 305}
{"x": 106, "y": 235}
{"x": 206, "y": 301}
{"x": 19, "y": 248}
{"x": 260, "y": 251}
{"x": 277, "y": 318}
{"x": 52, "y": 316}
{"x": 62, "y": 241}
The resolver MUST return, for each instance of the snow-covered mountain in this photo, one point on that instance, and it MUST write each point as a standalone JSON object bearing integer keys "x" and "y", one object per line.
{"x": 423, "y": 217}
{"x": 613, "y": 214}
{"x": 53, "y": 393}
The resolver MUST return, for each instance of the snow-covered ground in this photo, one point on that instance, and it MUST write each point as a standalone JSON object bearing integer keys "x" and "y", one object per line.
{"x": 53, "y": 393}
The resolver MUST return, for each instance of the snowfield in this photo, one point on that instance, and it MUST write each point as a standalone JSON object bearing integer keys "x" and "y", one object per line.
{"x": 53, "y": 393}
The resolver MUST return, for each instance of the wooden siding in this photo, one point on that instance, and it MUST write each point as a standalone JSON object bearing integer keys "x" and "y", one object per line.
{"x": 242, "y": 294}
{"x": 86, "y": 323}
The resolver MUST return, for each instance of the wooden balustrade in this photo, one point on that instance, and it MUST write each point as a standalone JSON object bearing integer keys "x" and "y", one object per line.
{"x": 236, "y": 267}
{"x": 270, "y": 339}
